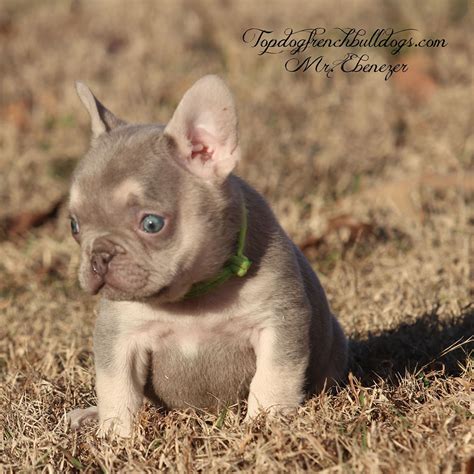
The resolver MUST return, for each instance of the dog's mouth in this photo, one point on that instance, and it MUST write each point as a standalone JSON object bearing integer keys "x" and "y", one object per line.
{"x": 96, "y": 290}
{"x": 95, "y": 284}
{"x": 161, "y": 291}
{"x": 114, "y": 292}
{"x": 125, "y": 283}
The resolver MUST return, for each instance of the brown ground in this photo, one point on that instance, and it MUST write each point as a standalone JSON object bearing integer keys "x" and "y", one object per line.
{"x": 375, "y": 178}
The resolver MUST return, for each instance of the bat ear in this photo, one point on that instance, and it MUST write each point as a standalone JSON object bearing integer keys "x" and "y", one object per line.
{"x": 102, "y": 119}
{"x": 204, "y": 128}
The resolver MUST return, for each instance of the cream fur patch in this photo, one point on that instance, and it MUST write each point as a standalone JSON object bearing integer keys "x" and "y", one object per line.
{"x": 75, "y": 197}
{"x": 125, "y": 189}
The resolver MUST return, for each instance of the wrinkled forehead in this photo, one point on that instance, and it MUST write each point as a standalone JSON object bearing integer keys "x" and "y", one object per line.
{"x": 121, "y": 174}
{"x": 107, "y": 197}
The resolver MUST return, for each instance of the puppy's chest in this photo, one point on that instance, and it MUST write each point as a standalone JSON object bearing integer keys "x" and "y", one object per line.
{"x": 195, "y": 359}
{"x": 192, "y": 334}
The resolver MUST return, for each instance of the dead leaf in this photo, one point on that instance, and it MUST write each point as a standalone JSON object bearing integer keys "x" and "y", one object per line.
{"x": 418, "y": 82}
{"x": 18, "y": 113}
{"x": 19, "y": 224}
{"x": 399, "y": 194}
{"x": 6, "y": 27}
{"x": 357, "y": 230}
{"x": 469, "y": 466}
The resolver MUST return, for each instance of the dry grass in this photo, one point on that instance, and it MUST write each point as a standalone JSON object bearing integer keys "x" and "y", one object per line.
{"x": 317, "y": 148}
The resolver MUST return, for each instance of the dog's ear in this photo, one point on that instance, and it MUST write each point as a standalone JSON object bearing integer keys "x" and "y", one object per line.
{"x": 102, "y": 119}
{"x": 204, "y": 129}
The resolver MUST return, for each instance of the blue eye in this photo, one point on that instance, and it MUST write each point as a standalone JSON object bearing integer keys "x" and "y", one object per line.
{"x": 152, "y": 223}
{"x": 74, "y": 226}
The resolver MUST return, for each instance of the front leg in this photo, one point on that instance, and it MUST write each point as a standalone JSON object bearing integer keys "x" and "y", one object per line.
{"x": 120, "y": 388}
{"x": 278, "y": 383}
{"x": 78, "y": 416}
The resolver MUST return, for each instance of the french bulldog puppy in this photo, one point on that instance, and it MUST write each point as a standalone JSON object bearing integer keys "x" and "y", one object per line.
{"x": 204, "y": 298}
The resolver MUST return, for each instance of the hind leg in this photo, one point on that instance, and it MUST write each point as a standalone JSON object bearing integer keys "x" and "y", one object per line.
{"x": 337, "y": 363}
{"x": 336, "y": 369}
{"x": 328, "y": 366}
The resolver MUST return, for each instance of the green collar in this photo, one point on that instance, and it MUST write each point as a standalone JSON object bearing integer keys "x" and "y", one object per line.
{"x": 237, "y": 265}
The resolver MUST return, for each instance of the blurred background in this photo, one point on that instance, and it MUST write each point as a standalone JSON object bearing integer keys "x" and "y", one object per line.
{"x": 373, "y": 179}
{"x": 358, "y": 169}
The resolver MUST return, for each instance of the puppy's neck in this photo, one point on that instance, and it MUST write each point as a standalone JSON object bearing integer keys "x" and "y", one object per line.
{"x": 236, "y": 266}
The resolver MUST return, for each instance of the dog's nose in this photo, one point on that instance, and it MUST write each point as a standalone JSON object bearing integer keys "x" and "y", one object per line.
{"x": 100, "y": 262}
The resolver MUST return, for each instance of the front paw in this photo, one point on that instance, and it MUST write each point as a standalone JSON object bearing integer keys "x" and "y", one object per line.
{"x": 115, "y": 427}
{"x": 272, "y": 411}
{"x": 77, "y": 417}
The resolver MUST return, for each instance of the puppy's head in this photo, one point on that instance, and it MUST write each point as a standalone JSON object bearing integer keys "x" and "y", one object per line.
{"x": 151, "y": 205}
